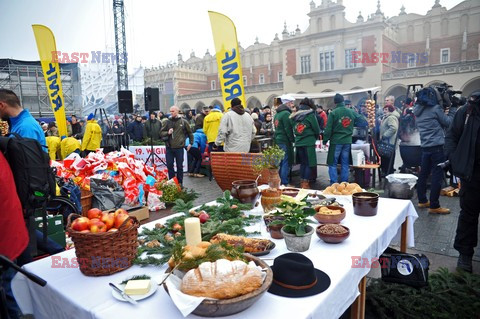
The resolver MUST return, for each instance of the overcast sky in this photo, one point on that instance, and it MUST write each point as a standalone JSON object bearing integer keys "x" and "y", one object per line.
{"x": 158, "y": 29}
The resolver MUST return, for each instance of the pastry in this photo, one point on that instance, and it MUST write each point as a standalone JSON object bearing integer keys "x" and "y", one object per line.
{"x": 251, "y": 245}
{"x": 222, "y": 279}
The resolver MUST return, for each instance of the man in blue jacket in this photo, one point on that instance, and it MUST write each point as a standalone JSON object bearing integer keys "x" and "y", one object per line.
{"x": 432, "y": 121}
{"x": 196, "y": 151}
{"x": 21, "y": 121}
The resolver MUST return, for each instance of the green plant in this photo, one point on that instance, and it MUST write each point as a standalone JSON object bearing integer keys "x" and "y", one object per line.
{"x": 295, "y": 217}
{"x": 272, "y": 156}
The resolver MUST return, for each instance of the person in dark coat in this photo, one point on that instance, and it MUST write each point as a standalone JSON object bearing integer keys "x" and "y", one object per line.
{"x": 200, "y": 117}
{"x": 152, "y": 127}
{"x": 135, "y": 129}
{"x": 462, "y": 147}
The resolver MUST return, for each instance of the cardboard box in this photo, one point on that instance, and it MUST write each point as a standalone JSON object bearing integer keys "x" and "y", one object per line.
{"x": 140, "y": 213}
{"x": 54, "y": 224}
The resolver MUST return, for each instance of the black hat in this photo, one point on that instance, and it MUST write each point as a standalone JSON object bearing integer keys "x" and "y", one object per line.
{"x": 338, "y": 98}
{"x": 152, "y": 112}
{"x": 236, "y": 101}
{"x": 294, "y": 276}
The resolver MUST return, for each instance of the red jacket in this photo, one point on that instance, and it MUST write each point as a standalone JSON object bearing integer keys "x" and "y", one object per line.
{"x": 13, "y": 232}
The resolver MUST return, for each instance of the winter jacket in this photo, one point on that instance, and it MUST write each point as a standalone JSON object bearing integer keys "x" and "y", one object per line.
{"x": 199, "y": 121}
{"x": 53, "y": 144}
{"x": 432, "y": 123}
{"x": 283, "y": 133}
{"x": 306, "y": 129}
{"x": 152, "y": 128}
{"x": 258, "y": 125}
{"x": 267, "y": 128}
{"x": 199, "y": 140}
{"x": 339, "y": 129}
{"x": 92, "y": 137}
{"x": 181, "y": 130}
{"x": 135, "y": 130}
{"x": 53, "y": 132}
{"x": 76, "y": 129}
{"x": 26, "y": 126}
{"x": 68, "y": 146}
{"x": 211, "y": 123}
{"x": 236, "y": 131}
{"x": 389, "y": 128}
{"x": 462, "y": 143}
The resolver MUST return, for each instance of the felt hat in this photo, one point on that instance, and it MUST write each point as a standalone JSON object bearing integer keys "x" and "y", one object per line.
{"x": 338, "y": 98}
{"x": 295, "y": 276}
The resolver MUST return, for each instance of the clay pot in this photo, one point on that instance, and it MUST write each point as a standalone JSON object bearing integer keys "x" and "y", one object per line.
{"x": 275, "y": 231}
{"x": 245, "y": 191}
{"x": 270, "y": 197}
{"x": 273, "y": 178}
{"x": 365, "y": 203}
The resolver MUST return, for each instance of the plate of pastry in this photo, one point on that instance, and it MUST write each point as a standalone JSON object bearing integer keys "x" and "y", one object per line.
{"x": 252, "y": 246}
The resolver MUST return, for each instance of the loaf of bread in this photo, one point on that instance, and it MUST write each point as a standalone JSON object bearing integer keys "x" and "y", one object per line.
{"x": 222, "y": 279}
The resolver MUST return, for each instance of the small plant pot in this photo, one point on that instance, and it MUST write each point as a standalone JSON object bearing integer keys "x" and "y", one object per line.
{"x": 270, "y": 197}
{"x": 298, "y": 243}
{"x": 275, "y": 231}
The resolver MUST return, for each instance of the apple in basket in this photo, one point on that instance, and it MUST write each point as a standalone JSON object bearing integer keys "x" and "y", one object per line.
{"x": 97, "y": 226}
{"x": 108, "y": 219}
{"x": 119, "y": 219}
{"x": 120, "y": 211}
{"x": 94, "y": 213}
{"x": 81, "y": 224}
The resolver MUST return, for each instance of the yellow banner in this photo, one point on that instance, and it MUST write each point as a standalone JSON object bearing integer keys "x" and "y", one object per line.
{"x": 51, "y": 72}
{"x": 228, "y": 58}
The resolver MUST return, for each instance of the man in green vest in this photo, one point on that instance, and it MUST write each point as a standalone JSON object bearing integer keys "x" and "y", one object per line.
{"x": 283, "y": 136}
{"x": 339, "y": 131}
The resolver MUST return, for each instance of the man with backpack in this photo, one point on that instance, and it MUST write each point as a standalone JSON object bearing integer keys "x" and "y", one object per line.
{"x": 174, "y": 132}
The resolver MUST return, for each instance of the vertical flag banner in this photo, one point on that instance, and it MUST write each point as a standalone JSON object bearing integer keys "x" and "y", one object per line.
{"x": 51, "y": 72}
{"x": 228, "y": 58}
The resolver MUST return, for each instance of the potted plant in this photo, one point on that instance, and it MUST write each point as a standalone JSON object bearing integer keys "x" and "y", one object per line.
{"x": 272, "y": 156}
{"x": 296, "y": 231}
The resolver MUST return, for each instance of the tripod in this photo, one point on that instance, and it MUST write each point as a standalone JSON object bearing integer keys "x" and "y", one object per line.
{"x": 153, "y": 155}
{"x": 5, "y": 263}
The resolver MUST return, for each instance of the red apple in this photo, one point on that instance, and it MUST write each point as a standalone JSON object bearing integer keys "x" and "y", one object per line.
{"x": 97, "y": 226}
{"x": 203, "y": 217}
{"x": 119, "y": 219}
{"x": 120, "y": 211}
{"x": 109, "y": 220}
{"x": 94, "y": 213}
{"x": 177, "y": 227}
{"x": 81, "y": 223}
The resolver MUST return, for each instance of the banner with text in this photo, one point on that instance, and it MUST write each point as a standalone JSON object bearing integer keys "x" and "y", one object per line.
{"x": 228, "y": 58}
{"x": 142, "y": 152}
{"x": 51, "y": 72}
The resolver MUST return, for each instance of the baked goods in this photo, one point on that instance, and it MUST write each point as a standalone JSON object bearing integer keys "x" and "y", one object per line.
{"x": 327, "y": 211}
{"x": 251, "y": 245}
{"x": 3, "y": 128}
{"x": 222, "y": 279}
{"x": 343, "y": 188}
{"x": 191, "y": 252}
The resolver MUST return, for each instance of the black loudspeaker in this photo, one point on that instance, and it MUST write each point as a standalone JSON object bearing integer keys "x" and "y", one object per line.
{"x": 152, "y": 99}
{"x": 125, "y": 102}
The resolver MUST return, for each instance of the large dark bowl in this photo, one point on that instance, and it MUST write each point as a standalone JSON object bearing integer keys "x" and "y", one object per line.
{"x": 365, "y": 203}
{"x": 332, "y": 238}
{"x": 290, "y": 191}
{"x": 226, "y": 307}
{"x": 330, "y": 219}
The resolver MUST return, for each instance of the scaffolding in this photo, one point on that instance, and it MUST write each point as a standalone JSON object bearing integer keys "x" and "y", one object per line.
{"x": 26, "y": 79}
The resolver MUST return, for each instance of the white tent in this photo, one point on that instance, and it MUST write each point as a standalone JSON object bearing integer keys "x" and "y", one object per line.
{"x": 332, "y": 94}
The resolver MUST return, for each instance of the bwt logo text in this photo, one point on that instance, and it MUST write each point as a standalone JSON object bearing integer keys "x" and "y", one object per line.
{"x": 85, "y": 57}
{"x": 392, "y": 57}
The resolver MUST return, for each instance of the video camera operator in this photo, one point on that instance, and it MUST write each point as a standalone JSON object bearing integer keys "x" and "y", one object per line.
{"x": 462, "y": 146}
{"x": 433, "y": 114}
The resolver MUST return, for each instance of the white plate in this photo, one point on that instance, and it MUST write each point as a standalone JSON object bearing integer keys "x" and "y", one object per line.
{"x": 153, "y": 289}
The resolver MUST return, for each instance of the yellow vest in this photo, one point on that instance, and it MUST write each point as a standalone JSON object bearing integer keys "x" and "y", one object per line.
{"x": 53, "y": 144}
{"x": 92, "y": 137}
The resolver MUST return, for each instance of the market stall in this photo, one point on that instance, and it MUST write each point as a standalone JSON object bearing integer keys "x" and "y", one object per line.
{"x": 71, "y": 294}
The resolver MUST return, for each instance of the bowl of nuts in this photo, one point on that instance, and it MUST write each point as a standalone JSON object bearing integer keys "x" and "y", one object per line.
{"x": 332, "y": 233}
{"x": 329, "y": 214}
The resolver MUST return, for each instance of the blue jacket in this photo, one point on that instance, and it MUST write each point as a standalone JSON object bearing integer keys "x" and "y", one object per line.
{"x": 135, "y": 130}
{"x": 26, "y": 126}
{"x": 199, "y": 140}
{"x": 432, "y": 123}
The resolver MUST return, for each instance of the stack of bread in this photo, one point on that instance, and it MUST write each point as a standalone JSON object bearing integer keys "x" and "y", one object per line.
{"x": 222, "y": 279}
{"x": 343, "y": 188}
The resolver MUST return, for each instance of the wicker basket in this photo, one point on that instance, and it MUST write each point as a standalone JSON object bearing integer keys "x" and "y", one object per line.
{"x": 229, "y": 167}
{"x": 86, "y": 201}
{"x": 100, "y": 254}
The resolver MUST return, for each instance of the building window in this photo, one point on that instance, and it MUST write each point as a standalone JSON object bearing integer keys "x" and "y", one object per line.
{"x": 280, "y": 76}
{"x": 261, "y": 79}
{"x": 244, "y": 81}
{"x": 213, "y": 85}
{"x": 161, "y": 87}
{"x": 327, "y": 61}
{"x": 349, "y": 63}
{"x": 305, "y": 64}
{"x": 445, "y": 55}
{"x": 411, "y": 61}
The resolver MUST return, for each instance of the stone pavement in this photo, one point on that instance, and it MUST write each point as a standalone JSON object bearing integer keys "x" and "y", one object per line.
{"x": 434, "y": 234}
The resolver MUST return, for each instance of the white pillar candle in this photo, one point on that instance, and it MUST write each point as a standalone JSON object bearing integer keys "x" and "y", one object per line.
{"x": 193, "y": 232}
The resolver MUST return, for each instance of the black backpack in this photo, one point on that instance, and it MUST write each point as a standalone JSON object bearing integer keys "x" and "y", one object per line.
{"x": 30, "y": 165}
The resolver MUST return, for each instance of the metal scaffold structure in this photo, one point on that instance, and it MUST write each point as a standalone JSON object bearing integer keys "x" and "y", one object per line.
{"x": 120, "y": 44}
{"x": 26, "y": 79}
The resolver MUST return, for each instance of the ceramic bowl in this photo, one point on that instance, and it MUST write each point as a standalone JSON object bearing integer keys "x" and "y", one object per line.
{"x": 290, "y": 191}
{"x": 365, "y": 203}
{"x": 332, "y": 238}
{"x": 330, "y": 219}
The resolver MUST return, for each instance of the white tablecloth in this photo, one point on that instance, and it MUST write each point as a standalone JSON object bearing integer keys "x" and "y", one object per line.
{"x": 70, "y": 294}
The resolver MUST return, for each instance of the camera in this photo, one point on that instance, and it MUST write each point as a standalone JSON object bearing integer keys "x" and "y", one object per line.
{"x": 447, "y": 94}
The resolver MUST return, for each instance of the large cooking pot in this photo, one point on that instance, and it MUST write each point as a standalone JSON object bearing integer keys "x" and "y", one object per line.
{"x": 246, "y": 191}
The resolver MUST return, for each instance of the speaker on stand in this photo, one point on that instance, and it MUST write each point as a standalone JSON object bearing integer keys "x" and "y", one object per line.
{"x": 152, "y": 103}
{"x": 125, "y": 105}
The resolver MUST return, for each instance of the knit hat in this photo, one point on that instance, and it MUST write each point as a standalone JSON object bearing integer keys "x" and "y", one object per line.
{"x": 338, "y": 98}
{"x": 217, "y": 108}
{"x": 254, "y": 116}
{"x": 90, "y": 116}
{"x": 236, "y": 101}
{"x": 348, "y": 102}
